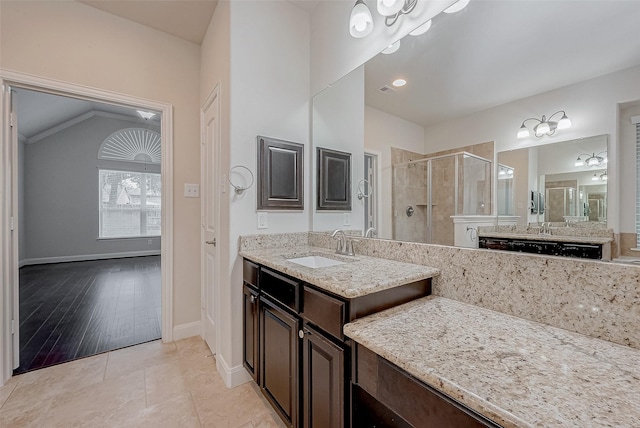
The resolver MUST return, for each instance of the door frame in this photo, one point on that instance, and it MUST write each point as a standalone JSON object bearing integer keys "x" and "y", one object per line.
{"x": 212, "y": 101}
{"x": 8, "y": 185}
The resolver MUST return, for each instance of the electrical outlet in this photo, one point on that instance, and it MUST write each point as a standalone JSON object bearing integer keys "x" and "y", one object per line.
{"x": 191, "y": 190}
{"x": 150, "y": 241}
{"x": 347, "y": 219}
{"x": 262, "y": 220}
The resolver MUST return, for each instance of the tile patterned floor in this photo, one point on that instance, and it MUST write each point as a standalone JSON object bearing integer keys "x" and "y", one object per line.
{"x": 148, "y": 385}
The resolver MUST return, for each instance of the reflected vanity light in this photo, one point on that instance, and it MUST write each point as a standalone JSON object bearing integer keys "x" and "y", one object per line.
{"x": 586, "y": 159}
{"x": 545, "y": 126}
{"x": 457, "y": 6}
{"x": 421, "y": 29}
{"x": 145, "y": 114}
{"x": 601, "y": 177}
{"x": 360, "y": 21}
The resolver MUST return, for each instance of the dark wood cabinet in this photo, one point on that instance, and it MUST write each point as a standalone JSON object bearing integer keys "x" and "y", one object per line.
{"x": 294, "y": 346}
{"x": 279, "y": 359}
{"x": 251, "y": 331}
{"x": 384, "y": 395}
{"x": 323, "y": 385}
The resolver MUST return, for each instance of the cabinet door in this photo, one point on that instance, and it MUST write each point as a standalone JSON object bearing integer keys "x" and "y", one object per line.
{"x": 251, "y": 332}
{"x": 279, "y": 355}
{"x": 323, "y": 390}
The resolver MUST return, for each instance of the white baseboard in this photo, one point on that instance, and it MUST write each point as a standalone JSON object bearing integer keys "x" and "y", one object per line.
{"x": 232, "y": 376}
{"x": 86, "y": 257}
{"x": 184, "y": 331}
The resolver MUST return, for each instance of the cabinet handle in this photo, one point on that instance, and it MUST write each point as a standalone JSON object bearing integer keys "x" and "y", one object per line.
{"x": 302, "y": 332}
{"x": 253, "y": 298}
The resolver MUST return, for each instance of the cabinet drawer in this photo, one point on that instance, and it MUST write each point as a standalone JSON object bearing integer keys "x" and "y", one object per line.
{"x": 324, "y": 311}
{"x": 282, "y": 289}
{"x": 250, "y": 273}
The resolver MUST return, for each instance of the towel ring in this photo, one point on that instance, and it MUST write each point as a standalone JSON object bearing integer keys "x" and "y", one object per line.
{"x": 361, "y": 193}
{"x": 239, "y": 189}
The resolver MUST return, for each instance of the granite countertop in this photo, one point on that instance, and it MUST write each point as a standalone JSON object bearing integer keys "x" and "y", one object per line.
{"x": 555, "y": 238}
{"x": 516, "y": 372}
{"x": 359, "y": 276}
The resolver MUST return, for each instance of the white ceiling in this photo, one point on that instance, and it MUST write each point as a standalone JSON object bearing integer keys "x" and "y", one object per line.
{"x": 187, "y": 19}
{"x": 495, "y": 52}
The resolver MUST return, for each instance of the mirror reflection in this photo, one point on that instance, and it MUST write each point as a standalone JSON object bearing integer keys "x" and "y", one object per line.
{"x": 567, "y": 190}
{"x": 470, "y": 82}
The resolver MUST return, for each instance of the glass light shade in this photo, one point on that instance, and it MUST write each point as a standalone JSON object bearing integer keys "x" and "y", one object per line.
{"x": 509, "y": 172}
{"x": 457, "y": 6}
{"x": 579, "y": 162}
{"x": 502, "y": 172}
{"x": 603, "y": 177}
{"x": 564, "y": 123}
{"x": 593, "y": 161}
{"x": 145, "y": 114}
{"x": 389, "y": 7}
{"x": 523, "y": 132}
{"x": 392, "y": 48}
{"x": 421, "y": 29}
{"x": 595, "y": 177}
{"x": 542, "y": 128}
{"x": 360, "y": 21}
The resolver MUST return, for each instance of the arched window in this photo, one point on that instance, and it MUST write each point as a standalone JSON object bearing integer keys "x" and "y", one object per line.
{"x": 132, "y": 145}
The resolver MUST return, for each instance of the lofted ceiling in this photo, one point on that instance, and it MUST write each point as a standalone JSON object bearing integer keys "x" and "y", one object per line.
{"x": 187, "y": 19}
{"x": 495, "y": 52}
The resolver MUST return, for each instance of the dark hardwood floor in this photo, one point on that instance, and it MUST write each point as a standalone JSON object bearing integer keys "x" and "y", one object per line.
{"x": 73, "y": 310}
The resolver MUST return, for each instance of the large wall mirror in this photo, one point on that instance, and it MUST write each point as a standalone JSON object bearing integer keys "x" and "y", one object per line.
{"x": 439, "y": 118}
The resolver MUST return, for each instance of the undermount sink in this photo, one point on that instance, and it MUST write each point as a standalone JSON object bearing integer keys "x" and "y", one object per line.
{"x": 315, "y": 262}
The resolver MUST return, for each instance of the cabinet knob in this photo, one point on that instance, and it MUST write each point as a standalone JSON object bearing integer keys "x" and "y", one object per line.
{"x": 301, "y": 333}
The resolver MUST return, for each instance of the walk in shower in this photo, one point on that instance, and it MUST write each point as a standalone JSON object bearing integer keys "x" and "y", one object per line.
{"x": 427, "y": 192}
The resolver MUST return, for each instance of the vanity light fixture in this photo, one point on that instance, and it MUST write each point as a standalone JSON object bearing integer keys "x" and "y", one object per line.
{"x": 603, "y": 176}
{"x": 399, "y": 82}
{"x": 545, "y": 126}
{"x": 586, "y": 159}
{"x": 145, "y": 114}
{"x": 457, "y": 6}
{"x": 595, "y": 177}
{"x": 360, "y": 21}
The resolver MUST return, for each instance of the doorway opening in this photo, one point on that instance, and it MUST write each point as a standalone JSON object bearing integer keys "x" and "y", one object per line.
{"x": 128, "y": 211}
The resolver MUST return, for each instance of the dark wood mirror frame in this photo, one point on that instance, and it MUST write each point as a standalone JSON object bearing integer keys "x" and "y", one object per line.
{"x": 334, "y": 180}
{"x": 280, "y": 174}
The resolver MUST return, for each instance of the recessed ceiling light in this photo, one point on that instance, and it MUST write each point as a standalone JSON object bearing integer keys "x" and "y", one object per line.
{"x": 457, "y": 6}
{"x": 392, "y": 48}
{"x": 399, "y": 82}
{"x": 421, "y": 29}
{"x": 145, "y": 114}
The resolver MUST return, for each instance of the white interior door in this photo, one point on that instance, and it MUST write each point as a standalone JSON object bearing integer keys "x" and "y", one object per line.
{"x": 209, "y": 202}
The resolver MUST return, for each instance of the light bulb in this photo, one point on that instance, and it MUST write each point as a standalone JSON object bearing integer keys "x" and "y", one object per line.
{"x": 523, "y": 132}
{"x": 389, "y": 7}
{"x": 392, "y": 48}
{"x": 421, "y": 29}
{"x": 542, "y": 128}
{"x": 360, "y": 21}
{"x": 564, "y": 123}
{"x": 457, "y": 6}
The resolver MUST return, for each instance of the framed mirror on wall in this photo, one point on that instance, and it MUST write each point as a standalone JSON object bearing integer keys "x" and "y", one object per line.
{"x": 280, "y": 174}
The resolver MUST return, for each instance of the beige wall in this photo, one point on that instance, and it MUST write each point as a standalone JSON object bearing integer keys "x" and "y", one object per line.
{"x": 75, "y": 43}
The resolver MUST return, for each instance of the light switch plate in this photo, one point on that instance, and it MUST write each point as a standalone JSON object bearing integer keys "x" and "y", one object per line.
{"x": 191, "y": 190}
{"x": 347, "y": 219}
{"x": 262, "y": 220}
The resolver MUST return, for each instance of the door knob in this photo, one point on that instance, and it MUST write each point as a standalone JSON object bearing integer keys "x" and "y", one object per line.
{"x": 212, "y": 242}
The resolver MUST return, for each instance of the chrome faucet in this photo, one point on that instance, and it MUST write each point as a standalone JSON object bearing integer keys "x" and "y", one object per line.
{"x": 545, "y": 228}
{"x": 344, "y": 245}
{"x": 370, "y": 233}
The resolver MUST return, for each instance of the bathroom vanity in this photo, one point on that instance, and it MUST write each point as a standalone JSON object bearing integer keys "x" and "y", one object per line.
{"x": 294, "y": 345}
